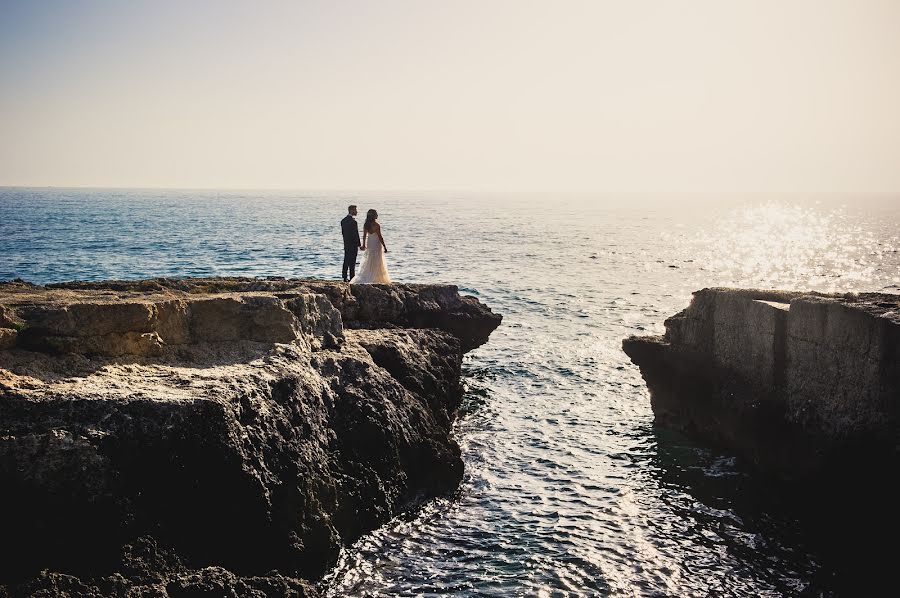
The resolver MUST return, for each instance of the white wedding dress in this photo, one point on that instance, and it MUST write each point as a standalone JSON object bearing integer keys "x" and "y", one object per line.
{"x": 373, "y": 269}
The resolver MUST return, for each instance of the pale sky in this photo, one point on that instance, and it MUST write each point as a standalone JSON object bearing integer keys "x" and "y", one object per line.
{"x": 594, "y": 95}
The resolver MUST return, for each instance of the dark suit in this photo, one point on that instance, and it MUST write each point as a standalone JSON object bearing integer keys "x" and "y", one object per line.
{"x": 350, "y": 231}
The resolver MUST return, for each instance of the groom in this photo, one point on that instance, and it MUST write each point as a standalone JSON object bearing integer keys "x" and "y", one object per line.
{"x": 350, "y": 230}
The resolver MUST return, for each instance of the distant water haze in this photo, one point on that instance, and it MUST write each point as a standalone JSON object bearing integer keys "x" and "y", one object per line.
{"x": 750, "y": 95}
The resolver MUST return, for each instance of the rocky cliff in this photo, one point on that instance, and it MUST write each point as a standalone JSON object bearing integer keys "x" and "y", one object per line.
{"x": 174, "y": 437}
{"x": 801, "y": 384}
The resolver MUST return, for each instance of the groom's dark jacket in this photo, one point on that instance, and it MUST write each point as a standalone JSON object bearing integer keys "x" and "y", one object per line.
{"x": 350, "y": 230}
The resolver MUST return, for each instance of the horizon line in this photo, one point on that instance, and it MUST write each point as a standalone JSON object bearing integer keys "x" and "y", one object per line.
{"x": 457, "y": 190}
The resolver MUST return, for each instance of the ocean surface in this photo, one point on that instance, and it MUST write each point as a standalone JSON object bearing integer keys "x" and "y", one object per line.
{"x": 569, "y": 489}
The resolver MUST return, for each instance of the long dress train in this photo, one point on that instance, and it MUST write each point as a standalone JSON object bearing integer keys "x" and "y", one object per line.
{"x": 373, "y": 269}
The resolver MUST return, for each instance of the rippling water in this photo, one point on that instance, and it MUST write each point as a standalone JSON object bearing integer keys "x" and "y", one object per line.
{"x": 569, "y": 489}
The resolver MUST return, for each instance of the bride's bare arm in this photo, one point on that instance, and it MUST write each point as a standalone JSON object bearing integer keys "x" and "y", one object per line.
{"x": 363, "y": 246}
{"x": 380, "y": 238}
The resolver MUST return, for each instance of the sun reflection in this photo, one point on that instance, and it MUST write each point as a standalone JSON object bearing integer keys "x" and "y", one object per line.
{"x": 779, "y": 245}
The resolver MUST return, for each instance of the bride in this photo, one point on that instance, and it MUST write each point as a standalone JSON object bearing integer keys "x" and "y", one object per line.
{"x": 374, "y": 268}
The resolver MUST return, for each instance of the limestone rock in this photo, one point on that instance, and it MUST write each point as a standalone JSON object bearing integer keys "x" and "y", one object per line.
{"x": 8, "y": 337}
{"x": 426, "y": 306}
{"x": 799, "y": 383}
{"x": 432, "y": 374}
{"x": 233, "y": 421}
{"x": 9, "y": 319}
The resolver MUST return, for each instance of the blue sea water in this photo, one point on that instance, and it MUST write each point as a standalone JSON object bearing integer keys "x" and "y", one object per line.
{"x": 569, "y": 489}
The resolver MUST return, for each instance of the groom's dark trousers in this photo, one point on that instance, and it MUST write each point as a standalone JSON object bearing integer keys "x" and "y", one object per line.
{"x": 350, "y": 232}
{"x": 349, "y": 262}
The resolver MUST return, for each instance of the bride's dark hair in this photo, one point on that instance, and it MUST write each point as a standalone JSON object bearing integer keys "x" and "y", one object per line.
{"x": 371, "y": 216}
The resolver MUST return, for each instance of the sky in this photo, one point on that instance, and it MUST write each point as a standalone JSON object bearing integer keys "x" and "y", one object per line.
{"x": 556, "y": 95}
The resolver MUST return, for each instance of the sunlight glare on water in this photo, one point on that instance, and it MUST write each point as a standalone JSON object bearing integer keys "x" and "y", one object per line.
{"x": 778, "y": 245}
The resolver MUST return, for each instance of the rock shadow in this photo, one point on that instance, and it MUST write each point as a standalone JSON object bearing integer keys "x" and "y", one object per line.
{"x": 827, "y": 531}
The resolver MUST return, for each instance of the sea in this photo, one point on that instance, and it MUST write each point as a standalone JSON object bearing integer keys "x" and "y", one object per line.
{"x": 570, "y": 489}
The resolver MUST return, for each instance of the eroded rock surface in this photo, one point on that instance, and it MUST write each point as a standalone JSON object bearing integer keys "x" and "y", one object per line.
{"x": 245, "y": 429}
{"x": 802, "y": 384}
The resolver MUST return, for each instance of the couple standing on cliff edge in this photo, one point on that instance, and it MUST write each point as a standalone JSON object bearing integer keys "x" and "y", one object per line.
{"x": 374, "y": 267}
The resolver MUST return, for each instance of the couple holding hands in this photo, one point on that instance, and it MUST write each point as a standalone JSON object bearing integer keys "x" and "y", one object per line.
{"x": 374, "y": 267}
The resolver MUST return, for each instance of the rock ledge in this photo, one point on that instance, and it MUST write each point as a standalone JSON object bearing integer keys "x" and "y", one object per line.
{"x": 171, "y": 437}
